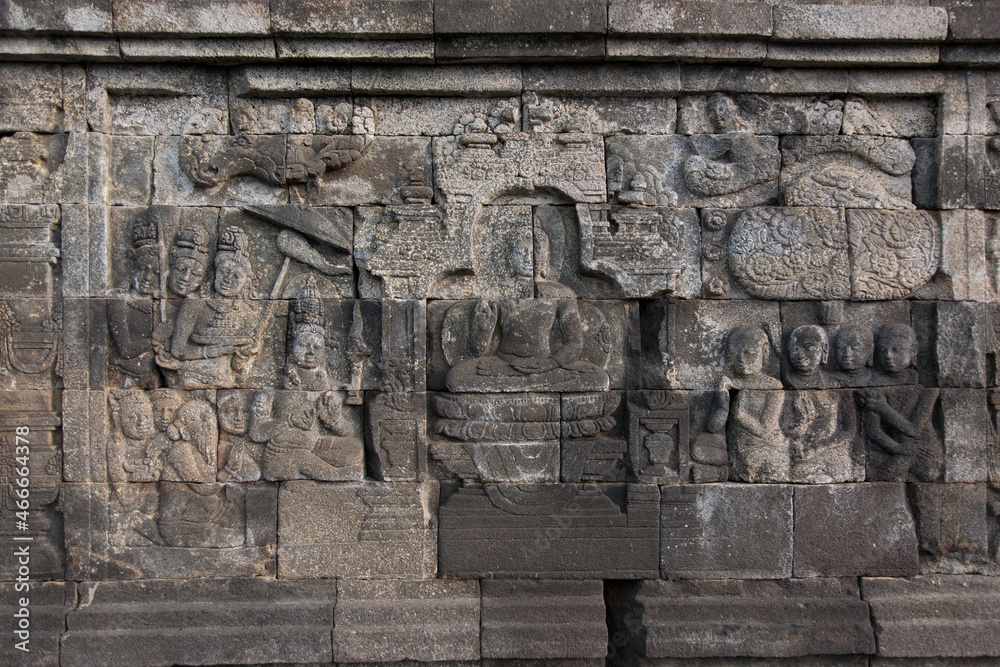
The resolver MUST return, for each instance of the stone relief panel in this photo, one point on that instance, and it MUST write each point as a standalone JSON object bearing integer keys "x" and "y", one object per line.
{"x": 818, "y": 253}
{"x": 491, "y": 337}
{"x": 32, "y": 512}
{"x": 847, "y": 171}
{"x": 760, "y": 114}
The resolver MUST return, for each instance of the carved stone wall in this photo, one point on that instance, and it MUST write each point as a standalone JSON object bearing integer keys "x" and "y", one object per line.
{"x": 331, "y": 348}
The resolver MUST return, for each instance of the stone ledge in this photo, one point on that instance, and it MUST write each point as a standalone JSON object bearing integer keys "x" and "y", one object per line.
{"x": 697, "y": 18}
{"x": 836, "y": 23}
{"x": 411, "y": 31}
{"x": 934, "y": 616}
{"x": 465, "y": 17}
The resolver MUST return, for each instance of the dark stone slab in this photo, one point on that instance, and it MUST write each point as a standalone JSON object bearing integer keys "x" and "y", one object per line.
{"x": 725, "y": 531}
{"x": 169, "y": 530}
{"x": 765, "y": 619}
{"x": 385, "y": 621}
{"x": 48, "y": 604}
{"x": 357, "y": 17}
{"x": 201, "y": 621}
{"x": 951, "y": 526}
{"x": 373, "y": 530}
{"x": 543, "y": 619}
{"x": 560, "y": 531}
{"x": 854, "y": 529}
{"x": 934, "y": 616}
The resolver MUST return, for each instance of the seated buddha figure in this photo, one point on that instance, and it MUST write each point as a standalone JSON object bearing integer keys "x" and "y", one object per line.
{"x": 510, "y": 343}
{"x": 214, "y": 339}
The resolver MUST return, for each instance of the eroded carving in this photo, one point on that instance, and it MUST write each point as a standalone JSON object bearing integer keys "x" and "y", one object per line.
{"x": 897, "y": 422}
{"x": 790, "y": 253}
{"x": 758, "y": 450}
{"x": 893, "y": 253}
{"x": 214, "y": 339}
{"x": 847, "y": 171}
{"x": 210, "y": 160}
{"x": 731, "y": 163}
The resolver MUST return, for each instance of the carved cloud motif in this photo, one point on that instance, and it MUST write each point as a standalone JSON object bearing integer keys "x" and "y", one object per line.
{"x": 893, "y": 252}
{"x": 790, "y": 253}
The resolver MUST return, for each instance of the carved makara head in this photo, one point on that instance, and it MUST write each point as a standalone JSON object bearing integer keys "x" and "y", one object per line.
{"x": 233, "y": 273}
{"x": 189, "y": 259}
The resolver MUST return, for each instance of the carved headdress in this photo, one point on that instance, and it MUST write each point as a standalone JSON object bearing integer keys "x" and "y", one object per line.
{"x": 234, "y": 246}
{"x": 191, "y": 242}
{"x": 306, "y": 313}
{"x": 145, "y": 231}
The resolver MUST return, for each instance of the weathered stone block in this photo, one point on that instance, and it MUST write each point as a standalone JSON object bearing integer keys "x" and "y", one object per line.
{"x": 33, "y": 98}
{"x": 766, "y": 619}
{"x": 220, "y": 50}
{"x": 128, "y": 109}
{"x": 726, "y": 531}
{"x": 385, "y": 531}
{"x": 169, "y": 530}
{"x": 438, "y": 116}
{"x": 627, "y": 80}
{"x": 951, "y": 526}
{"x": 961, "y": 344}
{"x": 48, "y": 604}
{"x": 685, "y": 342}
{"x": 827, "y": 22}
{"x": 962, "y": 274}
{"x": 764, "y": 114}
{"x": 519, "y": 16}
{"x": 217, "y": 17}
{"x": 72, "y": 16}
{"x": 872, "y": 237}
{"x": 523, "y": 168}
{"x": 972, "y": 23}
{"x": 519, "y": 47}
{"x": 44, "y": 168}
{"x": 478, "y": 80}
{"x": 163, "y": 622}
{"x": 967, "y": 432}
{"x": 601, "y": 115}
{"x": 543, "y": 620}
{"x": 576, "y": 532}
{"x": 673, "y": 17}
{"x": 850, "y": 54}
{"x": 854, "y": 529}
{"x": 686, "y": 171}
{"x": 130, "y": 172}
{"x": 632, "y": 250}
{"x": 825, "y": 171}
{"x": 362, "y": 17}
{"x": 384, "y": 621}
{"x": 934, "y": 616}
{"x": 396, "y": 435}
{"x": 417, "y": 51}
{"x": 686, "y": 49}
